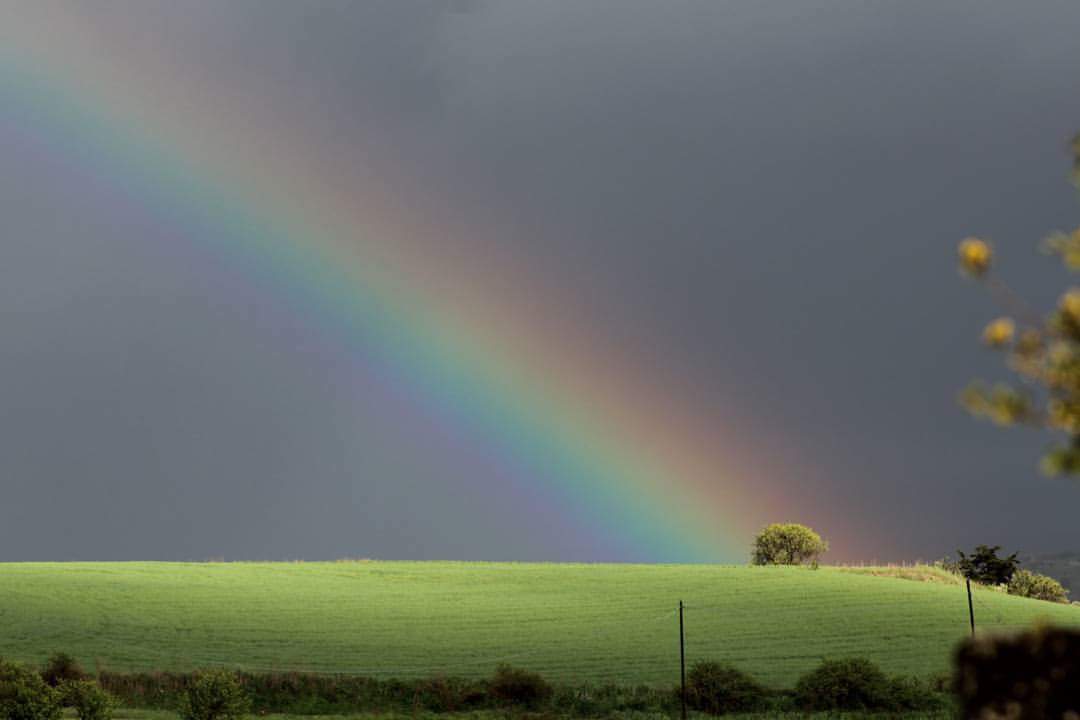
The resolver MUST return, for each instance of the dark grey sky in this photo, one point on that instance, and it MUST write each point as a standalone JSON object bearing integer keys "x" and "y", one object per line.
{"x": 762, "y": 199}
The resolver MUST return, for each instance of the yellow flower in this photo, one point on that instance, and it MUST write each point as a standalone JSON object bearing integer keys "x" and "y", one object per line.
{"x": 975, "y": 256}
{"x": 999, "y": 333}
{"x": 1070, "y": 304}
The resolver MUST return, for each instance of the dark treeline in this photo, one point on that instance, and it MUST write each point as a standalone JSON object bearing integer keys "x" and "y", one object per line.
{"x": 712, "y": 688}
{"x": 312, "y": 694}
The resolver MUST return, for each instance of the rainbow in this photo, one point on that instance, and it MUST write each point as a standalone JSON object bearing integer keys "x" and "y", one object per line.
{"x": 561, "y": 416}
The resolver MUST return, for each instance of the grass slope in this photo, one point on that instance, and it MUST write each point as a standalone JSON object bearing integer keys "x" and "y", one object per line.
{"x": 570, "y": 622}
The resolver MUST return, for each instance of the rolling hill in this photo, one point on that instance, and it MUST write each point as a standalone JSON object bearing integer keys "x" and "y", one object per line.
{"x": 571, "y": 622}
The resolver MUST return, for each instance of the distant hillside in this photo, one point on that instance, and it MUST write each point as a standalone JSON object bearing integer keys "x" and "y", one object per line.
{"x": 569, "y": 622}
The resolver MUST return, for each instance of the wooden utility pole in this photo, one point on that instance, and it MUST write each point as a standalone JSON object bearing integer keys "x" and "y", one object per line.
{"x": 682, "y": 660}
{"x": 971, "y": 608}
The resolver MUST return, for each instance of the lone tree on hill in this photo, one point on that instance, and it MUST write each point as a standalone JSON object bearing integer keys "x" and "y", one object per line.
{"x": 985, "y": 567}
{"x": 1043, "y": 351}
{"x": 787, "y": 544}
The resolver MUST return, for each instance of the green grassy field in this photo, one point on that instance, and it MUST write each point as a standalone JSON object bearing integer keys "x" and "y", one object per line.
{"x": 572, "y": 623}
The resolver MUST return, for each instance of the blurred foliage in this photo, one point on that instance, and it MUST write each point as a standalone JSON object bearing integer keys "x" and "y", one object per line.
{"x": 1031, "y": 676}
{"x": 1043, "y": 352}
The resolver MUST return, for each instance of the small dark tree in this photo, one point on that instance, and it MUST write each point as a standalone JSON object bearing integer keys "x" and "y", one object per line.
{"x": 850, "y": 684}
{"x": 515, "y": 686}
{"x": 787, "y": 544}
{"x": 985, "y": 567}
{"x": 716, "y": 689}
{"x": 62, "y": 668}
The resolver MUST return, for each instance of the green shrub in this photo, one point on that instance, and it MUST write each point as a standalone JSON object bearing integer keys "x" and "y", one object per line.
{"x": 851, "y": 684}
{"x": 514, "y": 686}
{"x": 89, "y": 700}
{"x": 62, "y": 668}
{"x": 788, "y": 544}
{"x": 214, "y": 695}
{"x": 1035, "y": 585}
{"x": 717, "y": 689}
{"x": 909, "y": 693}
{"x": 24, "y": 695}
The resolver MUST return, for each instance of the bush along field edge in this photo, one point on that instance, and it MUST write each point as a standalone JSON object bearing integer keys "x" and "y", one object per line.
{"x": 1030, "y": 674}
{"x": 712, "y": 688}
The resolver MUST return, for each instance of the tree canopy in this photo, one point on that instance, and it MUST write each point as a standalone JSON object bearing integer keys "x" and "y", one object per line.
{"x": 985, "y": 567}
{"x": 787, "y": 544}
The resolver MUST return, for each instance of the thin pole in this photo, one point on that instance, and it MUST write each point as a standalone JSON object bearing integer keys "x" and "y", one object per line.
{"x": 971, "y": 608}
{"x": 682, "y": 660}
